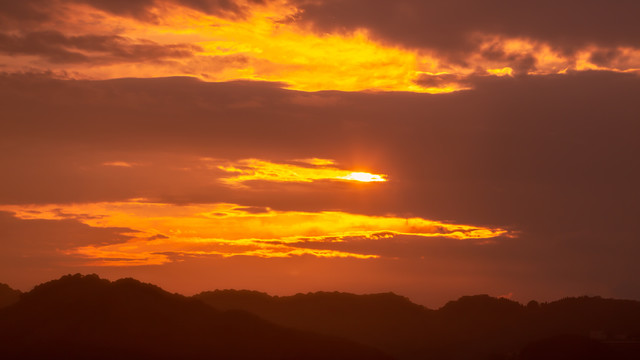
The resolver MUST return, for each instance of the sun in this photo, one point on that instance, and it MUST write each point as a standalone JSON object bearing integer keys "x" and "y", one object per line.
{"x": 364, "y": 177}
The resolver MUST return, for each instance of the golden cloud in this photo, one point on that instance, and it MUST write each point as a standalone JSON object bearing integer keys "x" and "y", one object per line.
{"x": 316, "y": 169}
{"x": 167, "y": 232}
{"x": 266, "y": 44}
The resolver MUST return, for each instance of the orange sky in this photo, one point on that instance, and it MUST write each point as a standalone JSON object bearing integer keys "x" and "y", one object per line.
{"x": 434, "y": 149}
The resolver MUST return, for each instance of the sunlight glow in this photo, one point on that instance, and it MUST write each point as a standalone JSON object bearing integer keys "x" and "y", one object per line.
{"x": 308, "y": 171}
{"x": 364, "y": 177}
{"x": 501, "y": 72}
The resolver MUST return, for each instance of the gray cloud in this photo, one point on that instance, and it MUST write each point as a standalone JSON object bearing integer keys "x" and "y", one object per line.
{"x": 28, "y": 10}
{"x": 452, "y": 26}
{"x": 136, "y": 8}
{"x": 39, "y": 245}
{"x": 60, "y": 48}
{"x": 224, "y": 8}
{"x": 40, "y": 10}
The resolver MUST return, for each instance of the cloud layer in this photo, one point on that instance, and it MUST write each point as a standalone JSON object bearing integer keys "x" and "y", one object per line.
{"x": 456, "y": 25}
{"x": 417, "y": 46}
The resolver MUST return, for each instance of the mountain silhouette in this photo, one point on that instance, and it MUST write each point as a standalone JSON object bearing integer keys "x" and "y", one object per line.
{"x": 472, "y": 327}
{"x": 386, "y": 321}
{"x": 8, "y": 296}
{"x": 86, "y": 317}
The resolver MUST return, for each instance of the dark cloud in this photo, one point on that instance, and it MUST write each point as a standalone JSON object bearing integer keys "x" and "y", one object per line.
{"x": 507, "y": 140}
{"x": 40, "y": 236}
{"x": 40, "y": 245}
{"x": 133, "y": 8}
{"x": 520, "y": 63}
{"x": 439, "y": 80}
{"x": 604, "y": 57}
{"x": 454, "y": 26}
{"x": 60, "y": 48}
{"x": 34, "y": 12}
{"x": 158, "y": 236}
{"x": 142, "y": 9}
{"x": 224, "y": 8}
{"x": 33, "y": 251}
{"x": 80, "y": 217}
{"x": 27, "y": 10}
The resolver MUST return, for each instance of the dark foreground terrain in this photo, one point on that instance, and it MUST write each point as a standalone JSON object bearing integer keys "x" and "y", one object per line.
{"x": 85, "y": 317}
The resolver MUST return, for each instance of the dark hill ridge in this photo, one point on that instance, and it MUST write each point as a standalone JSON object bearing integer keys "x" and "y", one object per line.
{"x": 386, "y": 320}
{"x": 472, "y": 327}
{"x": 85, "y": 317}
{"x": 8, "y": 296}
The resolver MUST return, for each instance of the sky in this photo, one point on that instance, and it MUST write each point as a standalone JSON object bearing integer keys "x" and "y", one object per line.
{"x": 431, "y": 148}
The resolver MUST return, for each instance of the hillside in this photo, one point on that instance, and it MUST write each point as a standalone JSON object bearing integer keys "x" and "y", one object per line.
{"x": 472, "y": 327}
{"x": 387, "y": 321}
{"x": 8, "y": 296}
{"x": 85, "y": 317}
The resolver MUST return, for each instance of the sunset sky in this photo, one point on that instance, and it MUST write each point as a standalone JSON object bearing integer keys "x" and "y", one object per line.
{"x": 433, "y": 148}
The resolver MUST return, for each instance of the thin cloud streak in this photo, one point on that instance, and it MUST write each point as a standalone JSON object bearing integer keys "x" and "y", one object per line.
{"x": 165, "y": 232}
{"x": 319, "y": 169}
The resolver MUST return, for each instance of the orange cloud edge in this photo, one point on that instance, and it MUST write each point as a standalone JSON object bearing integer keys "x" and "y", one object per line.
{"x": 302, "y": 170}
{"x": 164, "y": 233}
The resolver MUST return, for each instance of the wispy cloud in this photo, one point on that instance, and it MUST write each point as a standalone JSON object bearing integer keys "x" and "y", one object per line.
{"x": 166, "y": 232}
{"x": 119, "y": 164}
{"x": 307, "y": 170}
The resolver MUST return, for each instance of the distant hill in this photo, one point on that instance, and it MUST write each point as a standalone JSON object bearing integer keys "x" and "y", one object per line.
{"x": 387, "y": 321}
{"x": 8, "y": 296}
{"x": 472, "y": 327}
{"x": 85, "y": 317}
